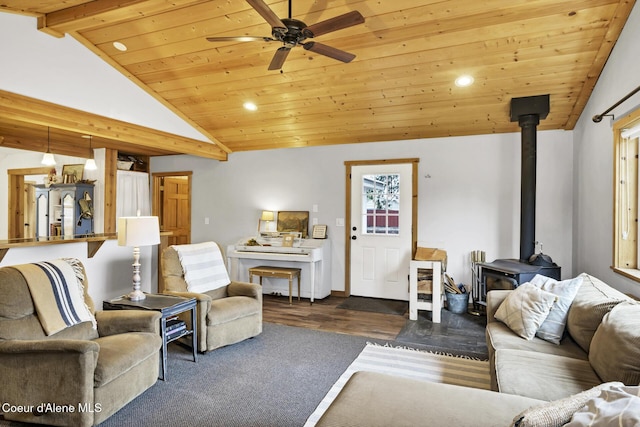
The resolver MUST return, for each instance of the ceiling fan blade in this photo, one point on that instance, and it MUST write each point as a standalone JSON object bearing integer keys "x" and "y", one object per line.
{"x": 240, "y": 39}
{"x": 329, "y": 51}
{"x": 279, "y": 58}
{"x": 337, "y": 23}
{"x": 268, "y": 15}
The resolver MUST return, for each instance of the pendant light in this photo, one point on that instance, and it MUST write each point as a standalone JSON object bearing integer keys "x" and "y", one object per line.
{"x": 48, "y": 158}
{"x": 91, "y": 163}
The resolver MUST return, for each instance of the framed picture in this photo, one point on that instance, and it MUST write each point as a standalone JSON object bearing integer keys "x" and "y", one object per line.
{"x": 319, "y": 231}
{"x": 287, "y": 240}
{"x": 72, "y": 173}
{"x": 296, "y": 221}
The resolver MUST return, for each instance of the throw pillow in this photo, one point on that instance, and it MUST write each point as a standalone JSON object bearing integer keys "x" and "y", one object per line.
{"x": 524, "y": 309}
{"x": 591, "y": 303}
{"x": 619, "y": 406}
{"x": 558, "y": 412}
{"x": 203, "y": 266}
{"x": 552, "y": 329}
{"x": 615, "y": 347}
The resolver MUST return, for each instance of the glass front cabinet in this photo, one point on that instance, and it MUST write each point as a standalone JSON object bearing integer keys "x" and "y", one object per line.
{"x": 64, "y": 210}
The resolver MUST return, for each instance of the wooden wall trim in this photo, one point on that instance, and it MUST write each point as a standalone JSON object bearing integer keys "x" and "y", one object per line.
{"x": 347, "y": 225}
{"x": 110, "y": 189}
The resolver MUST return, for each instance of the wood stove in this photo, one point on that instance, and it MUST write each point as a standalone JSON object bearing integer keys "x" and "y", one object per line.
{"x": 510, "y": 273}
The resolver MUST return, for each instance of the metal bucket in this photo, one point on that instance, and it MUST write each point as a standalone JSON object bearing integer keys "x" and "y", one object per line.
{"x": 457, "y": 303}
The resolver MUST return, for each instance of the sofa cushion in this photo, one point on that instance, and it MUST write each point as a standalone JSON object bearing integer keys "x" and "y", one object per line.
{"x": 593, "y": 300}
{"x": 113, "y": 361}
{"x": 615, "y": 347}
{"x": 499, "y": 336}
{"x": 231, "y": 308}
{"x": 553, "y": 327}
{"x": 542, "y": 376}
{"x": 524, "y": 310}
{"x": 558, "y": 412}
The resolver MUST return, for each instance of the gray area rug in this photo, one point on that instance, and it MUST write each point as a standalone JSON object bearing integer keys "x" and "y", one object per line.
{"x": 375, "y": 305}
{"x": 275, "y": 379}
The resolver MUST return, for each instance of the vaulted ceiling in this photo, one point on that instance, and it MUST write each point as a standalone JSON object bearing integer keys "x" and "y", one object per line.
{"x": 400, "y": 85}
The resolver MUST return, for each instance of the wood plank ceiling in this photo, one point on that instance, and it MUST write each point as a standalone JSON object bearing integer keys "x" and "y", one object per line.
{"x": 399, "y": 86}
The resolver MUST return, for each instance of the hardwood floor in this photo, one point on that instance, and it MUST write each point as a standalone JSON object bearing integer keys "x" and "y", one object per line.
{"x": 325, "y": 315}
{"x": 457, "y": 333}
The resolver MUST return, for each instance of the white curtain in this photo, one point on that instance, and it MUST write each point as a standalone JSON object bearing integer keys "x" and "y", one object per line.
{"x": 132, "y": 194}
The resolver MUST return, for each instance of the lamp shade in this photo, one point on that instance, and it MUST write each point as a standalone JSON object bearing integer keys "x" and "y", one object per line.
{"x": 48, "y": 159}
{"x": 267, "y": 216}
{"x": 138, "y": 231}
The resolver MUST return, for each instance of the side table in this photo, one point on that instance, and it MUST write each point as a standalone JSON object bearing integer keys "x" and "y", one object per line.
{"x": 169, "y": 306}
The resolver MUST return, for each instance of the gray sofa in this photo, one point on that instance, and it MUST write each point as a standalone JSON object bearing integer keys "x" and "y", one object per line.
{"x": 592, "y": 352}
{"x": 547, "y": 382}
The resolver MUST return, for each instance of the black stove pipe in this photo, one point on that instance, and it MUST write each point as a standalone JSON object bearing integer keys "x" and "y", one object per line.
{"x": 528, "y": 123}
{"x": 528, "y": 111}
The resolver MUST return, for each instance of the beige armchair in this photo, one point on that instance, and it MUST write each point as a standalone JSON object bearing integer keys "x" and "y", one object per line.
{"x": 226, "y": 315}
{"x": 79, "y": 376}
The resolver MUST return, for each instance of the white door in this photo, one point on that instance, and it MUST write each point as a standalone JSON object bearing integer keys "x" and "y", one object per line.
{"x": 381, "y": 212}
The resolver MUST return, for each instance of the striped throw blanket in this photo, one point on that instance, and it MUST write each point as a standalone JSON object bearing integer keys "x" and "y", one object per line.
{"x": 410, "y": 363}
{"x": 58, "y": 294}
{"x": 203, "y": 266}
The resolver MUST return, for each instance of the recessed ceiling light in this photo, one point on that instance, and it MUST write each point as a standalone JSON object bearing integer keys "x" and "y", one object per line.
{"x": 120, "y": 46}
{"x": 464, "y": 81}
{"x": 250, "y": 106}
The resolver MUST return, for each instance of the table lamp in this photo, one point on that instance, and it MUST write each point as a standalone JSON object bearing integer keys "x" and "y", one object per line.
{"x": 136, "y": 231}
{"x": 266, "y": 216}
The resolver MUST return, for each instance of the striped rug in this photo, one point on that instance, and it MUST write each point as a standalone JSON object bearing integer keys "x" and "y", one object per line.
{"x": 410, "y": 363}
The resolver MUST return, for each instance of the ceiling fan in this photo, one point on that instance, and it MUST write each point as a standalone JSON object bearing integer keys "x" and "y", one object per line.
{"x": 292, "y": 32}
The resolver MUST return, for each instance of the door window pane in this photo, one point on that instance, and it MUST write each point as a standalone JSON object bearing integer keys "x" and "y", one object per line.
{"x": 380, "y": 204}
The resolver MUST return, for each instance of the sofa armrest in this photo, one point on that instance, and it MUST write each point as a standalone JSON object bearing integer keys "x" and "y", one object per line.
{"x": 245, "y": 289}
{"x": 39, "y": 372}
{"x": 113, "y": 322}
{"x": 494, "y": 299}
{"x": 47, "y": 346}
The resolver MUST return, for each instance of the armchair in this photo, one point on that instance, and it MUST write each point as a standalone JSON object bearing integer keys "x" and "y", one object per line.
{"x": 80, "y": 375}
{"x": 226, "y": 315}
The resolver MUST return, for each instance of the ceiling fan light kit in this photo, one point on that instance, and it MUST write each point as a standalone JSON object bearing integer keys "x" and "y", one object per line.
{"x": 292, "y": 32}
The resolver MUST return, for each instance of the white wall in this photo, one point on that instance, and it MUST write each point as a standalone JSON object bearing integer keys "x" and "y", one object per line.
{"x": 593, "y": 160}
{"x": 63, "y": 71}
{"x": 469, "y": 193}
{"x": 109, "y": 272}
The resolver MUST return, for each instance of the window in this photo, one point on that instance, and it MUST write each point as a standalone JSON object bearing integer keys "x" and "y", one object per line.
{"x": 626, "y": 188}
{"x": 381, "y": 204}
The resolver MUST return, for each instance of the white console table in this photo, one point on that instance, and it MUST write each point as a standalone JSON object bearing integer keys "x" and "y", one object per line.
{"x": 435, "y": 305}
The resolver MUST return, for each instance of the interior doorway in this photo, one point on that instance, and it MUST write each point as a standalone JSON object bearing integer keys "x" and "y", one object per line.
{"x": 21, "y": 216}
{"x": 381, "y": 227}
{"x": 172, "y": 205}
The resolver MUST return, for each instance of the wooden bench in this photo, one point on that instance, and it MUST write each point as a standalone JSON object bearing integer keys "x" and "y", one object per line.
{"x": 280, "y": 272}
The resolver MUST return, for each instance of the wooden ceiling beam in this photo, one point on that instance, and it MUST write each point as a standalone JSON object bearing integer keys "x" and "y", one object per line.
{"x": 95, "y": 13}
{"x": 30, "y": 110}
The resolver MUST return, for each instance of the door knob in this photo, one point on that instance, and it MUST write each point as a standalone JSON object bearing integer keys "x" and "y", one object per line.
{"x": 354, "y": 228}
{"x": 353, "y": 237}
